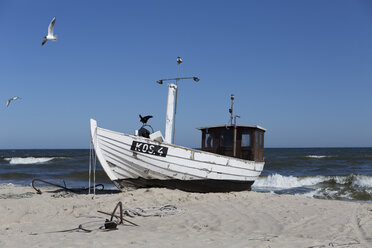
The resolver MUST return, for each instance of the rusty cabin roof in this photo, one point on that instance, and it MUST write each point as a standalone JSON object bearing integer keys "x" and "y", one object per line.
{"x": 232, "y": 126}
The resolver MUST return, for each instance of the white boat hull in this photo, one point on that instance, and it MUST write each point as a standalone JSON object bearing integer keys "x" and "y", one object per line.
{"x": 141, "y": 162}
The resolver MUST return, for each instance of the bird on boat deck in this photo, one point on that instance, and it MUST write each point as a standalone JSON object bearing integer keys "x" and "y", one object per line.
{"x": 145, "y": 118}
{"x": 12, "y": 99}
{"x": 50, "y": 35}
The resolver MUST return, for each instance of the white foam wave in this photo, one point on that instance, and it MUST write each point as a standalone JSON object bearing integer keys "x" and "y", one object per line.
{"x": 357, "y": 180}
{"x": 7, "y": 184}
{"x": 28, "y": 160}
{"x": 325, "y": 187}
{"x": 363, "y": 181}
{"x": 285, "y": 182}
{"x": 309, "y": 194}
{"x": 317, "y": 156}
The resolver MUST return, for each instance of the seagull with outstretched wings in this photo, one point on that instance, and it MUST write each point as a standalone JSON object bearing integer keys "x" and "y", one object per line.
{"x": 12, "y": 99}
{"x": 50, "y": 35}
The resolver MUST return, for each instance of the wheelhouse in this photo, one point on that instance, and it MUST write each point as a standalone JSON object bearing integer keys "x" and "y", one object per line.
{"x": 245, "y": 142}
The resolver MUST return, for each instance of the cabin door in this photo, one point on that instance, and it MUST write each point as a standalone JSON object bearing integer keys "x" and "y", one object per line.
{"x": 259, "y": 147}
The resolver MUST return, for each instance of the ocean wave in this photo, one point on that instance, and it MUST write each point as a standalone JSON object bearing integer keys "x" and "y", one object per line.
{"x": 29, "y": 160}
{"x": 285, "y": 182}
{"x": 7, "y": 184}
{"x": 310, "y": 194}
{"x": 317, "y": 156}
{"x": 363, "y": 181}
{"x": 327, "y": 194}
{"x": 340, "y": 187}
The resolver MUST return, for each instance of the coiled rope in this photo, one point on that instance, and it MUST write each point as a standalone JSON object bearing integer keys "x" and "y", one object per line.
{"x": 160, "y": 211}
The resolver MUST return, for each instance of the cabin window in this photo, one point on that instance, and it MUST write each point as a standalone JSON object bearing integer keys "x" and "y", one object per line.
{"x": 227, "y": 138}
{"x": 261, "y": 140}
{"x": 257, "y": 139}
{"x": 246, "y": 139}
{"x": 209, "y": 140}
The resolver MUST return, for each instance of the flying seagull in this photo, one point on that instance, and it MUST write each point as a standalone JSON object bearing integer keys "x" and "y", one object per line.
{"x": 145, "y": 119}
{"x": 11, "y": 99}
{"x": 50, "y": 35}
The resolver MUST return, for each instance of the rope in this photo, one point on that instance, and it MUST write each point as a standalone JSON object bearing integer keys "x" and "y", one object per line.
{"x": 92, "y": 162}
{"x": 16, "y": 196}
{"x": 160, "y": 211}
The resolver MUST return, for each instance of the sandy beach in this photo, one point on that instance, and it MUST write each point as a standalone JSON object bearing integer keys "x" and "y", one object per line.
{"x": 243, "y": 219}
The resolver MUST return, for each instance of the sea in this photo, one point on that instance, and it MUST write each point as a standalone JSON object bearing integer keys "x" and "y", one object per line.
{"x": 323, "y": 173}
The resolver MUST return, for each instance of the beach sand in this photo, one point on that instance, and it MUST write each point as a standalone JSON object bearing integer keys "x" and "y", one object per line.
{"x": 243, "y": 219}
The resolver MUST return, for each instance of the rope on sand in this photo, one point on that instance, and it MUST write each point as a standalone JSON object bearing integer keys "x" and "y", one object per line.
{"x": 16, "y": 196}
{"x": 334, "y": 244}
{"x": 160, "y": 211}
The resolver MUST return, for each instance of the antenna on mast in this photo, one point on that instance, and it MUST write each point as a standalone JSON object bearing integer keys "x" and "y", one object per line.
{"x": 231, "y": 110}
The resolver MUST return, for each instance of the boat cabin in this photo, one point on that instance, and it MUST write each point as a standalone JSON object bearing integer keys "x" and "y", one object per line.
{"x": 245, "y": 142}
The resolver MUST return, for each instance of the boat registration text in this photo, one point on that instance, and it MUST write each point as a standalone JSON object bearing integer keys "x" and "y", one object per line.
{"x": 149, "y": 149}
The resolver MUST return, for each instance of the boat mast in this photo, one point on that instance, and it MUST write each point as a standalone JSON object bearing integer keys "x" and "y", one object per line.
{"x": 170, "y": 110}
{"x": 179, "y": 61}
{"x": 172, "y": 104}
{"x": 231, "y": 110}
{"x": 235, "y": 131}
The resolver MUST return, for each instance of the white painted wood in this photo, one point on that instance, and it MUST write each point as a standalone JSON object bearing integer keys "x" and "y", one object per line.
{"x": 114, "y": 152}
{"x": 102, "y": 160}
{"x": 170, "y": 113}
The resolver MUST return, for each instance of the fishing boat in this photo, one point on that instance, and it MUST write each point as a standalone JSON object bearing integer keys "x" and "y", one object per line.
{"x": 231, "y": 157}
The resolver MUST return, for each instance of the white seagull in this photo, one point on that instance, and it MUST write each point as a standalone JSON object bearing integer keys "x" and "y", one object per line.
{"x": 11, "y": 99}
{"x": 50, "y": 35}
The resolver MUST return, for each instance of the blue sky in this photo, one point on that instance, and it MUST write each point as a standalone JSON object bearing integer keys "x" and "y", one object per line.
{"x": 301, "y": 69}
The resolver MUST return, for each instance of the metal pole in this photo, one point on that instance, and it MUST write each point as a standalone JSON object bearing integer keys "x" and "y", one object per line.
{"x": 231, "y": 110}
{"x": 235, "y": 131}
{"x": 175, "y": 104}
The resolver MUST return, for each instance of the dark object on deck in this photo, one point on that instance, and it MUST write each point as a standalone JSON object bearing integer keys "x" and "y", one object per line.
{"x": 144, "y": 132}
{"x": 249, "y": 141}
{"x": 145, "y": 119}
